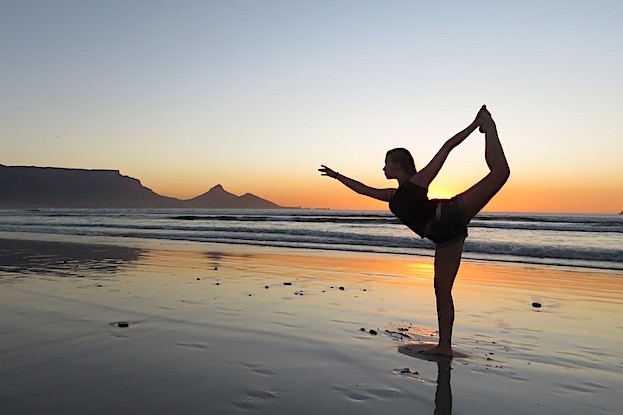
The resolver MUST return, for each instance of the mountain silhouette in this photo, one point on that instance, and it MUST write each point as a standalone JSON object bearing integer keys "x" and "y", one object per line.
{"x": 51, "y": 187}
{"x": 219, "y": 198}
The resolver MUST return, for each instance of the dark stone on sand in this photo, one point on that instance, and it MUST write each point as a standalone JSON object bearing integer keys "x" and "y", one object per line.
{"x": 266, "y": 287}
{"x": 198, "y": 279}
{"x": 342, "y": 288}
{"x": 363, "y": 329}
{"x": 287, "y": 283}
{"x": 373, "y": 332}
{"x": 217, "y": 283}
{"x": 215, "y": 268}
{"x": 123, "y": 324}
{"x": 536, "y": 305}
{"x": 99, "y": 285}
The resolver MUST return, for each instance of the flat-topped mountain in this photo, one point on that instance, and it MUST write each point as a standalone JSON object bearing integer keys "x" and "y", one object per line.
{"x": 50, "y": 187}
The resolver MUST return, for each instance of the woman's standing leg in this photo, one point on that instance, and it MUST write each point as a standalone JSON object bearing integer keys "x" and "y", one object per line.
{"x": 447, "y": 262}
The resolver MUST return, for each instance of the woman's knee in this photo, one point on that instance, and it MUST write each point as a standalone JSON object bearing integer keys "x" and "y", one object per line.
{"x": 503, "y": 173}
{"x": 443, "y": 290}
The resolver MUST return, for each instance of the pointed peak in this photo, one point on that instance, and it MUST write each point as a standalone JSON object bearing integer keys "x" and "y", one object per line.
{"x": 217, "y": 187}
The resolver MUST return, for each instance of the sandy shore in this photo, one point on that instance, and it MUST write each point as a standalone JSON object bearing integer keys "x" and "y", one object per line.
{"x": 221, "y": 329}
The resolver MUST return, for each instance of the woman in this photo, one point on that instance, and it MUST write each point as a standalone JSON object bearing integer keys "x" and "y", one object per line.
{"x": 442, "y": 221}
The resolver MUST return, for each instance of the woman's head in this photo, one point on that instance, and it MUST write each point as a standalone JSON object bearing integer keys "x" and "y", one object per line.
{"x": 401, "y": 159}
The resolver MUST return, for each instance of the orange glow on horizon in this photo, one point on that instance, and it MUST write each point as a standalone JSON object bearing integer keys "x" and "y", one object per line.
{"x": 324, "y": 194}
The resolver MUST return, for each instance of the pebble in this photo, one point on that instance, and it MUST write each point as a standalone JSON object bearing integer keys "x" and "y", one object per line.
{"x": 373, "y": 332}
{"x": 123, "y": 324}
{"x": 536, "y": 305}
{"x": 287, "y": 283}
{"x": 266, "y": 287}
{"x": 342, "y": 288}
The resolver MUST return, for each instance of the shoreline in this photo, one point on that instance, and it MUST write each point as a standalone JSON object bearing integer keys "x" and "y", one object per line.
{"x": 205, "y": 334}
{"x": 417, "y": 254}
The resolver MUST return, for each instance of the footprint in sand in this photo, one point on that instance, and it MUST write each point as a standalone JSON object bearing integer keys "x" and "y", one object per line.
{"x": 195, "y": 346}
{"x": 258, "y": 369}
{"x": 254, "y": 398}
{"x": 360, "y": 394}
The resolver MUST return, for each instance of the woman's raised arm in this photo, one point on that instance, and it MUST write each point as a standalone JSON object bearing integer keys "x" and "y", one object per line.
{"x": 362, "y": 189}
{"x": 425, "y": 176}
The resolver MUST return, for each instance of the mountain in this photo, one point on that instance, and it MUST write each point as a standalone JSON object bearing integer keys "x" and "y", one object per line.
{"x": 50, "y": 187}
{"x": 219, "y": 198}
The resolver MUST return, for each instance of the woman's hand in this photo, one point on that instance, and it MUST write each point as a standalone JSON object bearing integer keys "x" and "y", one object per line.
{"x": 327, "y": 172}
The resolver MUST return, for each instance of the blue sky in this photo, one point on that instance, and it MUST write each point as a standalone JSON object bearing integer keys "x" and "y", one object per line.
{"x": 256, "y": 94}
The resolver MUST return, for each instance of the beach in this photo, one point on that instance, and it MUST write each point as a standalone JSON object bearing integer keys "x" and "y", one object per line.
{"x": 105, "y": 325}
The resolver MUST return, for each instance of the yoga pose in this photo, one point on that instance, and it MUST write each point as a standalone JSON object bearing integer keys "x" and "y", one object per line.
{"x": 443, "y": 221}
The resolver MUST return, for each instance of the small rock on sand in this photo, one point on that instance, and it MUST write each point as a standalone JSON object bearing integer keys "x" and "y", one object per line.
{"x": 287, "y": 283}
{"x": 536, "y": 305}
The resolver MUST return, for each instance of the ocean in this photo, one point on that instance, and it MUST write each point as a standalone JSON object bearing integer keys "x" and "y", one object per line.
{"x": 577, "y": 241}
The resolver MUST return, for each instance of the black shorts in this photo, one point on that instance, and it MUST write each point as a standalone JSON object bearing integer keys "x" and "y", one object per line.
{"x": 449, "y": 225}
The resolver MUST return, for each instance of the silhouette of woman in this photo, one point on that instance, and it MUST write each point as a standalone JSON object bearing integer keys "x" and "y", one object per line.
{"x": 443, "y": 221}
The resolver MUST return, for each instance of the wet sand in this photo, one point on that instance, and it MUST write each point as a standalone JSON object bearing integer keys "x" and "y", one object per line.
{"x": 104, "y": 326}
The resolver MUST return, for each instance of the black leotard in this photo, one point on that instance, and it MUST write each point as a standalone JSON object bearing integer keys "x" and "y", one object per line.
{"x": 440, "y": 220}
{"x": 411, "y": 205}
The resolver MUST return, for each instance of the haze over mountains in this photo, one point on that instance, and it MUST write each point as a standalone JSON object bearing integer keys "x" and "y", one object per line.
{"x": 51, "y": 187}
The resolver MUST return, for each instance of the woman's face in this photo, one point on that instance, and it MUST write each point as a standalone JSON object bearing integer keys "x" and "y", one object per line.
{"x": 391, "y": 169}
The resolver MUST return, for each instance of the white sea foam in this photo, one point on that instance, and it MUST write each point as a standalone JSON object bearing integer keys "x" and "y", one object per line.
{"x": 592, "y": 241}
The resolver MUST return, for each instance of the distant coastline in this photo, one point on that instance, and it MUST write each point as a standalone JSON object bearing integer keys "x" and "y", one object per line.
{"x": 30, "y": 187}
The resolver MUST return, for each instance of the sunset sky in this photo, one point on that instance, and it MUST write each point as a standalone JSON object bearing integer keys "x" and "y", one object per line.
{"x": 255, "y": 95}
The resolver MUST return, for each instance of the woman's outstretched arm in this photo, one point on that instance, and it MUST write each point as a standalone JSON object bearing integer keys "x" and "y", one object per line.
{"x": 362, "y": 189}
{"x": 425, "y": 176}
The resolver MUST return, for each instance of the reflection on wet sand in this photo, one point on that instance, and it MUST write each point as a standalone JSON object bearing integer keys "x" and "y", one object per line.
{"x": 27, "y": 258}
{"x": 443, "y": 393}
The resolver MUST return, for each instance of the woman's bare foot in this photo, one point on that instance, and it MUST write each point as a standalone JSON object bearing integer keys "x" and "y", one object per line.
{"x": 486, "y": 121}
{"x": 439, "y": 351}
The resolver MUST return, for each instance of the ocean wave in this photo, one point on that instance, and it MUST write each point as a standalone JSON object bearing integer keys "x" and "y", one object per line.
{"x": 578, "y": 241}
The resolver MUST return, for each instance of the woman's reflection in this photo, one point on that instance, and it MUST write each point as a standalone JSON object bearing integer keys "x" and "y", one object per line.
{"x": 443, "y": 394}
